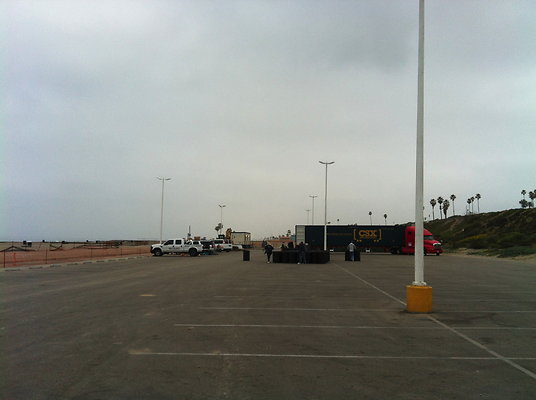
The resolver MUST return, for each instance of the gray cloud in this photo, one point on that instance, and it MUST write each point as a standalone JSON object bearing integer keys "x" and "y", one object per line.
{"x": 238, "y": 101}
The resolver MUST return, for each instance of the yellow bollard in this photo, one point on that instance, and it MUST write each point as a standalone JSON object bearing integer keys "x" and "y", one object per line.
{"x": 418, "y": 299}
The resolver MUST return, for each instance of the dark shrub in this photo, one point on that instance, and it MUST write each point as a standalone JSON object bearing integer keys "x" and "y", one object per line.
{"x": 517, "y": 251}
{"x": 512, "y": 239}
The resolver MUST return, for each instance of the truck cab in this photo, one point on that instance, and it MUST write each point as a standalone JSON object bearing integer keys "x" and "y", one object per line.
{"x": 431, "y": 246}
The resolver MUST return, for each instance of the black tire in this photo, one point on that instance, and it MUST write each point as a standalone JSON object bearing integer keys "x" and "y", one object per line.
{"x": 192, "y": 252}
{"x": 158, "y": 252}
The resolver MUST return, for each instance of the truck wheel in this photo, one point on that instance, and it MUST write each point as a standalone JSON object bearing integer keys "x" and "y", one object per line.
{"x": 437, "y": 253}
{"x": 192, "y": 252}
{"x": 158, "y": 252}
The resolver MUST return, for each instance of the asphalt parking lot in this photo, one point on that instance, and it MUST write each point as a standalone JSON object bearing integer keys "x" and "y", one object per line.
{"x": 218, "y": 327}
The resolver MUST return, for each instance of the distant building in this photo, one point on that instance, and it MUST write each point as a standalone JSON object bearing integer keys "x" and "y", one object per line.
{"x": 243, "y": 238}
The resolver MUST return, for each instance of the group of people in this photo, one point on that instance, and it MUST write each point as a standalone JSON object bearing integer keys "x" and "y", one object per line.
{"x": 302, "y": 251}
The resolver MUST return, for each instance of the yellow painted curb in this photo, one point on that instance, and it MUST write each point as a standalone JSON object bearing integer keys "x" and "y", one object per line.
{"x": 418, "y": 299}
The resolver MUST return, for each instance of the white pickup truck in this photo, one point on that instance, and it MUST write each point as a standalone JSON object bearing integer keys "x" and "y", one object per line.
{"x": 176, "y": 246}
{"x": 222, "y": 245}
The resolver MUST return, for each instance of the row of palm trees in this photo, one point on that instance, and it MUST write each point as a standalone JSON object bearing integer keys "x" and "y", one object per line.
{"x": 370, "y": 216}
{"x": 470, "y": 204}
{"x": 525, "y": 203}
{"x": 444, "y": 205}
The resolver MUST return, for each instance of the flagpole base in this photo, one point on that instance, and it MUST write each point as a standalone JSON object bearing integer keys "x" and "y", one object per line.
{"x": 418, "y": 299}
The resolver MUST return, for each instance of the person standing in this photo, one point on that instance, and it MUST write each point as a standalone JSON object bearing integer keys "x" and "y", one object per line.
{"x": 351, "y": 249}
{"x": 302, "y": 259}
{"x": 268, "y": 249}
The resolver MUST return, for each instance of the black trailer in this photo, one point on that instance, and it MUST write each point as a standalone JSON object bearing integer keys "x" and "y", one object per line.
{"x": 385, "y": 238}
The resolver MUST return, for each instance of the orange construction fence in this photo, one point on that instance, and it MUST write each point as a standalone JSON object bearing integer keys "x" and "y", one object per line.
{"x": 48, "y": 256}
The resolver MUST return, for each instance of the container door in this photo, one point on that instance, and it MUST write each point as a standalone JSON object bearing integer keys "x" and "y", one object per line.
{"x": 300, "y": 233}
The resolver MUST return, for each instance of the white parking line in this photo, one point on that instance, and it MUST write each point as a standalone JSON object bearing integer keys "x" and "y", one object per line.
{"x": 493, "y": 356}
{"x": 481, "y": 346}
{"x": 317, "y": 356}
{"x": 346, "y": 327}
{"x": 302, "y": 326}
{"x": 451, "y": 329}
{"x": 301, "y": 309}
{"x": 486, "y": 311}
{"x": 493, "y": 328}
{"x": 371, "y": 285}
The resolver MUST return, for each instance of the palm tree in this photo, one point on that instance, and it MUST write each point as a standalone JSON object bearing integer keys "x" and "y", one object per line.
{"x": 469, "y": 205}
{"x": 472, "y": 204}
{"x": 523, "y": 192}
{"x": 385, "y": 217}
{"x": 478, "y": 197}
{"x": 440, "y": 201}
{"x": 453, "y": 197}
{"x": 524, "y": 203}
{"x": 446, "y": 205}
{"x": 532, "y": 196}
{"x": 370, "y": 215}
{"x": 433, "y": 203}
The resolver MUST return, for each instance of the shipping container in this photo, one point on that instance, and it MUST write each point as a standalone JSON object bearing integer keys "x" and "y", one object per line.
{"x": 378, "y": 238}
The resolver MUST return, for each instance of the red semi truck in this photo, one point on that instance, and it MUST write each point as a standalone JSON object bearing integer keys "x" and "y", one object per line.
{"x": 397, "y": 239}
{"x": 431, "y": 246}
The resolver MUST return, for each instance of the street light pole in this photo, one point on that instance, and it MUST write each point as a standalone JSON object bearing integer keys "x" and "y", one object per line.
{"x": 221, "y": 216}
{"x": 307, "y": 216}
{"x": 419, "y": 187}
{"x": 326, "y": 163}
{"x": 313, "y": 215}
{"x": 162, "y": 205}
{"x": 419, "y": 294}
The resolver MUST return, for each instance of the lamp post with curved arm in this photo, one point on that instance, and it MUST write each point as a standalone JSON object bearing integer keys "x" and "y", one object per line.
{"x": 313, "y": 216}
{"x": 162, "y": 205}
{"x": 221, "y": 216}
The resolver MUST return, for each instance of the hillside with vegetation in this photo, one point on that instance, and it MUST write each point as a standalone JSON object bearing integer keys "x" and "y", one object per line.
{"x": 509, "y": 233}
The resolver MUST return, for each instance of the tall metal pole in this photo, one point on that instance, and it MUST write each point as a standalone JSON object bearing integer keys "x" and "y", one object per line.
{"x": 419, "y": 202}
{"x": 221, "y": 216}
{"x": 326, "y": 163}
{"x": 307, "y": 216}
{"x": 313, "y": 215}
{"x": 162, "y": 206}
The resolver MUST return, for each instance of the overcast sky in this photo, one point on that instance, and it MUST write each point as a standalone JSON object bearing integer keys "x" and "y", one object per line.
{"x": 238, "y": 101}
